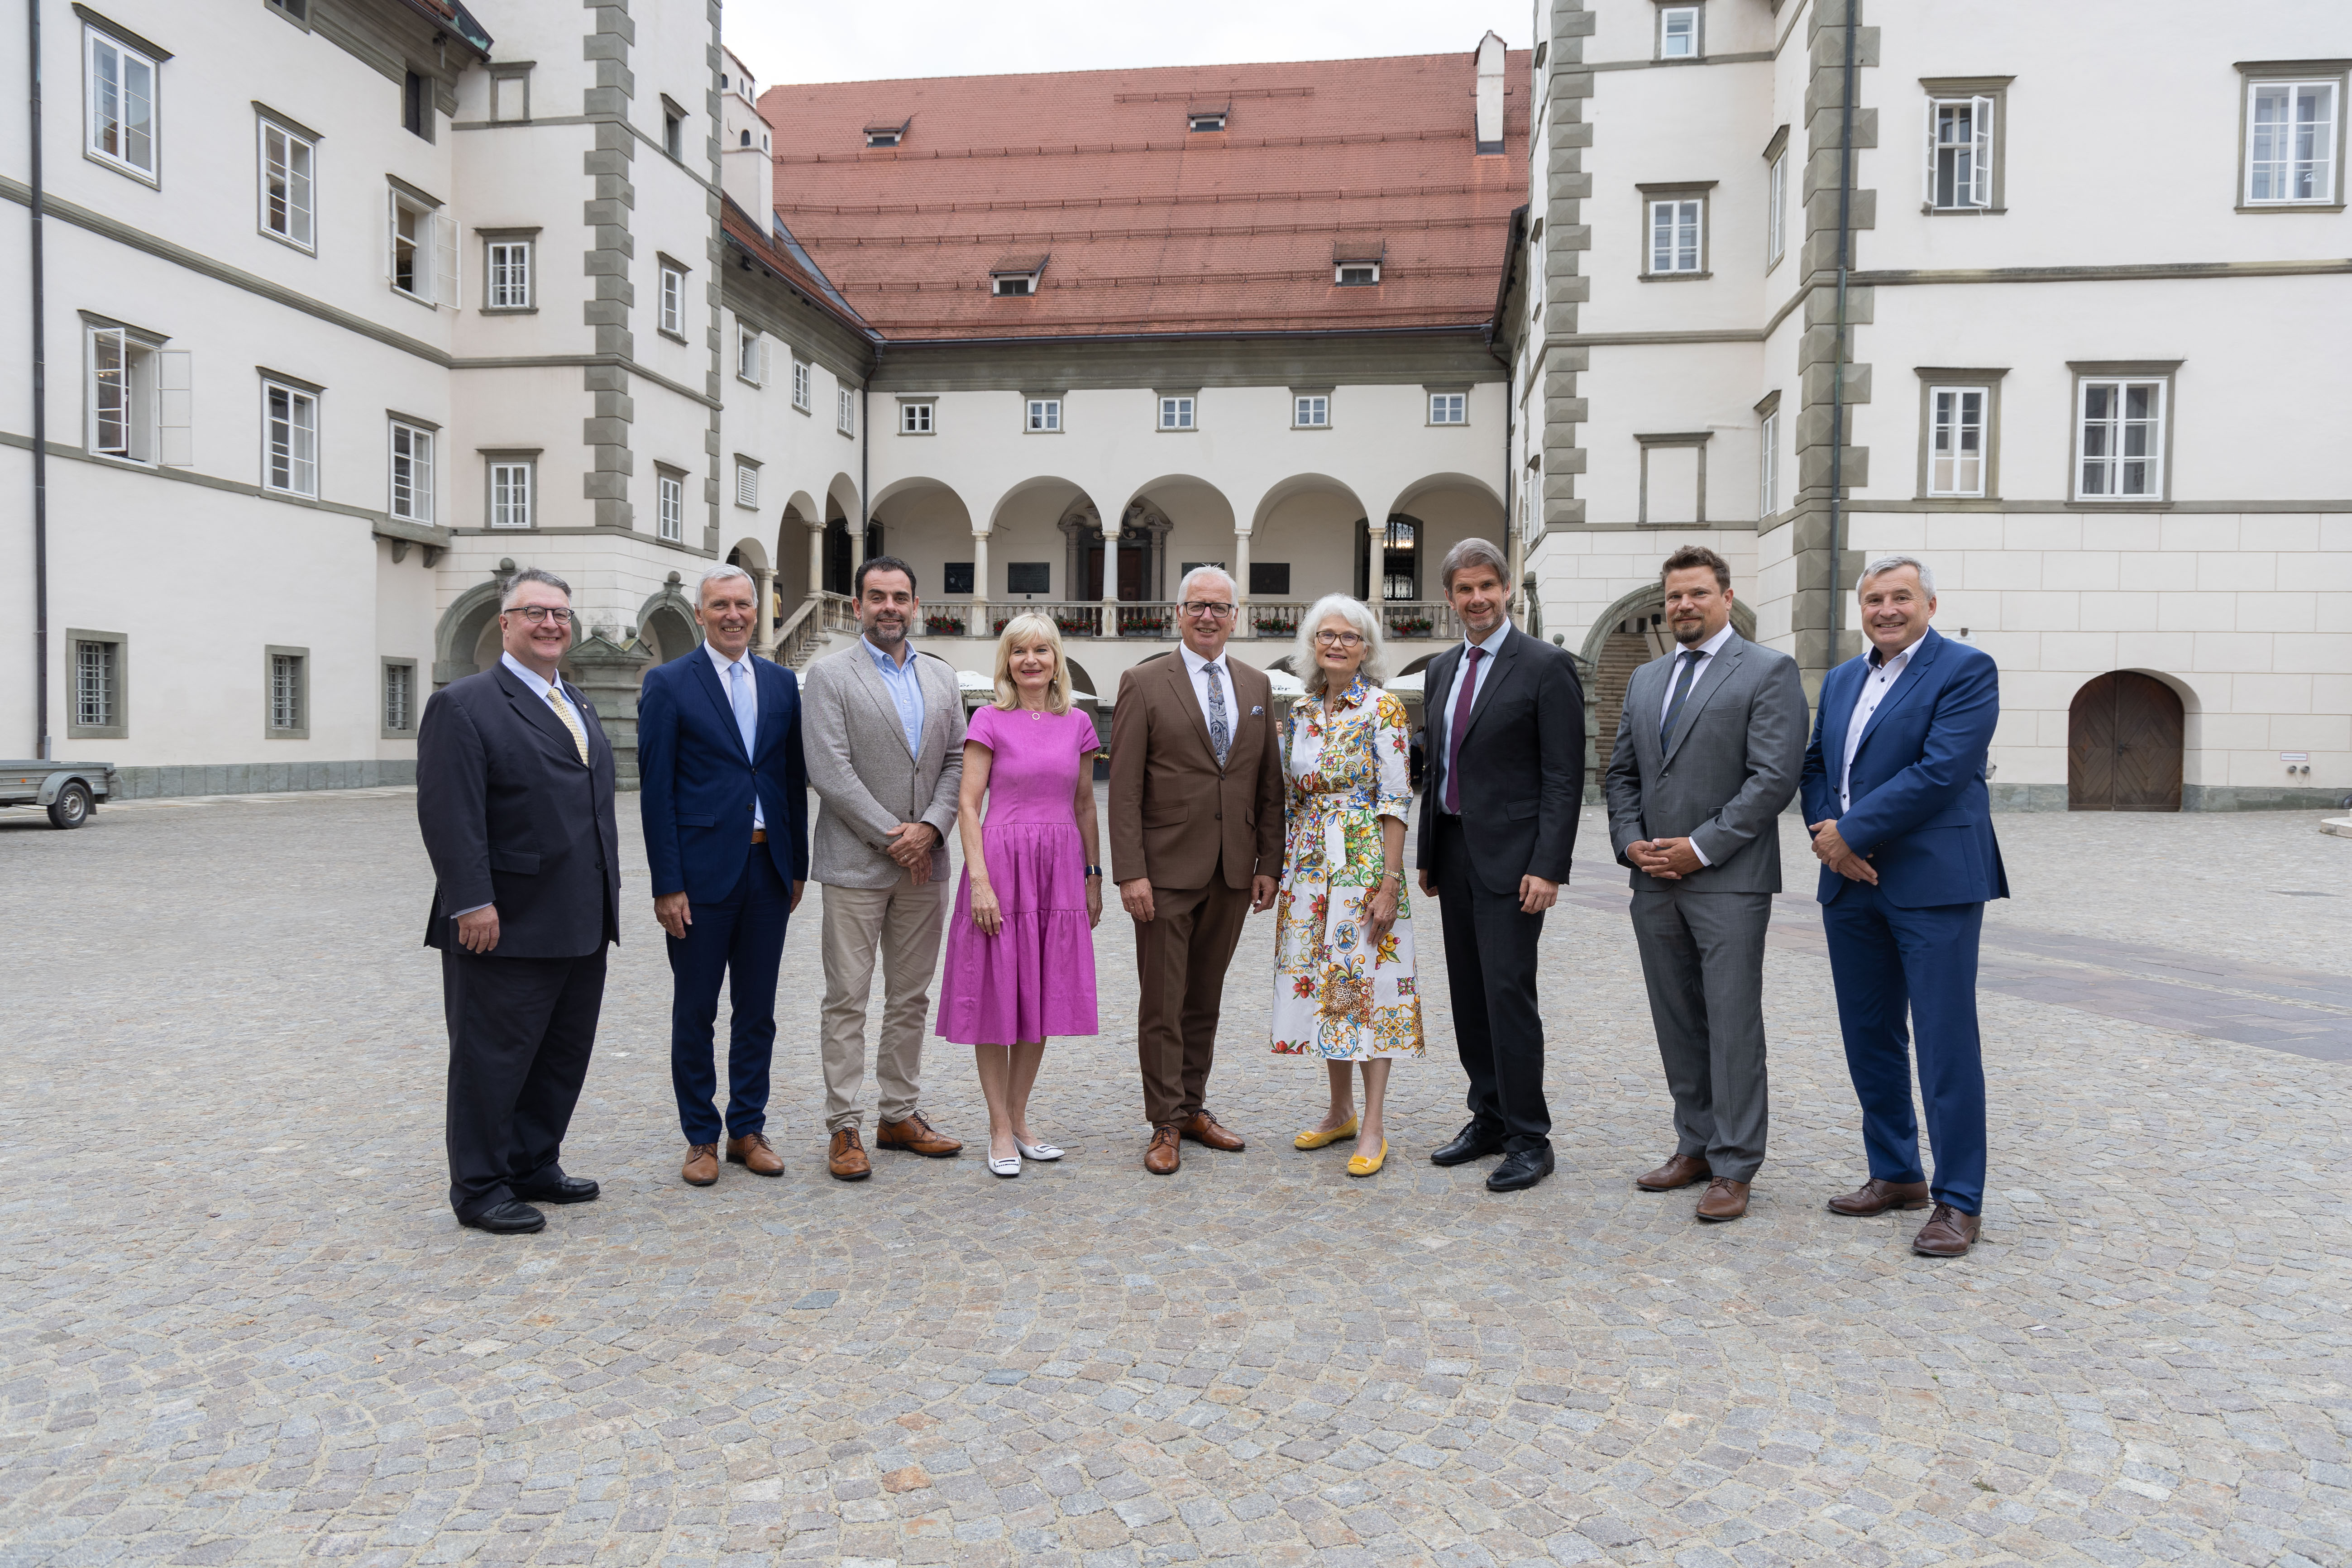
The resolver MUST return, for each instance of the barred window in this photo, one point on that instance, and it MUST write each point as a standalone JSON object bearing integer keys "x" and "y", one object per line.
{"x": 97, "y": 693}
{"x": 288, "y": 700}
{"x": 399, "y": 697}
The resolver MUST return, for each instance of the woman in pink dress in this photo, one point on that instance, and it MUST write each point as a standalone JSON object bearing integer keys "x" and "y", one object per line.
{"x": 1021, "y": 951}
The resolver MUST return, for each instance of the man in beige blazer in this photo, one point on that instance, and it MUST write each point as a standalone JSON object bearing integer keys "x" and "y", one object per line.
{"x": 883, "y": 728}
{"x": 1195, "y": 846}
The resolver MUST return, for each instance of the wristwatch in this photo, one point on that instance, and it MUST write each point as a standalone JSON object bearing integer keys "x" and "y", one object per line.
{"x": 1093, "y": 871}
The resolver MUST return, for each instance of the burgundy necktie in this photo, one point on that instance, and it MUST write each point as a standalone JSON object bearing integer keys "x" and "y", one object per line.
{"x": 1460, "y": 721}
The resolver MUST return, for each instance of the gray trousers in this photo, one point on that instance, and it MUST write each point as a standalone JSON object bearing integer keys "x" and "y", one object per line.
{"x": 1702, "y": 959}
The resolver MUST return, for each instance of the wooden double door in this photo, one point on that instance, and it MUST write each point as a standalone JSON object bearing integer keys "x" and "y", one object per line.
{"x": 2123, "y": 740}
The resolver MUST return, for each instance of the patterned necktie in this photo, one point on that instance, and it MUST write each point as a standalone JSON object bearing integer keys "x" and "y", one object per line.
{"x": 1690, "y": 657}
{"x": 739, "y": 696}
{"x": 1221, "y": 729}
{"x": 1462, "y": 703}
{"x": 571, "y": 720}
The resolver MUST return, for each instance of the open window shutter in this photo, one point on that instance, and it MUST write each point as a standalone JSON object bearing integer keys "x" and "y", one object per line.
{"x": 1929, "y": 186}
{"x": 765, "y": 371}
{"x": 175, "y": 409}
{"x": 1981, "y": 163}
{"x": 445, "y": 260}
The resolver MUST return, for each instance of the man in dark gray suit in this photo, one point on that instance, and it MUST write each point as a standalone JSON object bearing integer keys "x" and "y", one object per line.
{"x": 514, "y": 794}
{"x": 1709, "y": 750}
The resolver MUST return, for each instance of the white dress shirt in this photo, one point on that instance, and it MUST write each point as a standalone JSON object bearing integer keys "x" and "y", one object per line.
{"x": 751, "y": 679}
{"x": 1441, "y": 723}
{"x": 1197, "y": 667}
{"x": 1706, "y": 652}
{"x": 1874, "y": 687}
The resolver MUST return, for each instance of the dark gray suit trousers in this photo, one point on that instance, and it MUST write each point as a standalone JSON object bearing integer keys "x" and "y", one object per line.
{"x": 1703, "y": 958}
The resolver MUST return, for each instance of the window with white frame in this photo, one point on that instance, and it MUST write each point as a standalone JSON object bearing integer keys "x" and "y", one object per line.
{"x": 845, "y": 410}
{"x": 287, "y": 176}
{"x": 2119, "y": 437}
{"x": 1676, "y": 235}
{"x": 670, "y": 490}
{"x": 673, "y": 300}
{"x": 288, "y": 714}
{"x": 289, "y": 439}
{"x": 1776, "y": 209}
{"x": 1449, "y": 408}
{"x": 507, "y": 262}
{"x": 914, "y": 419}
{"x": 138, "y": 397}
{"x": 1678, "y": 34}
{"x": 121, "y": 88}
{"x": 747, "y": 482}
{"x": 1957, "y": 421}
{"x": 1045, "y": 416}
{"x": 1009, "y": 285}
{"x": 512, "y": 481}
{"x": 422, "y": 260}
{"x": 2291, "y": 141}
{"x": 750, "y": 356}
{"x": 1311, "y": 413}
{"x": 1767, "y": 463}
{"x": 412, "y": 472}
{"x": 1356, "y": 274}
{"x": 399, "y": 698}
{"x": 1960, "y": 153}
{"x": 1176, "y": 414}
{"x": 801, "y": 384}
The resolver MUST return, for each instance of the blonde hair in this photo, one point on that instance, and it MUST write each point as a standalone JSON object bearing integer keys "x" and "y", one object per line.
{"x": 1357, "y": 614}
{"x": 1024, "y": 628}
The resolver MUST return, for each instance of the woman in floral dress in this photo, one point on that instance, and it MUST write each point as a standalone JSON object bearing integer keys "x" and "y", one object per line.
{"x": 1343, "y": 933}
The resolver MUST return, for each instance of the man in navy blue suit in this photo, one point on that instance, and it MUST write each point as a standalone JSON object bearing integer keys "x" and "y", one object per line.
{"x": 1894, "y": 790}
{"x": 725, "y": 800}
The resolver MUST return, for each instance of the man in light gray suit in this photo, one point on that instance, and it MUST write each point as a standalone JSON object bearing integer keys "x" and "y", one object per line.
{"x": 1709, "y": 750}
{"x": 883, "y": 728}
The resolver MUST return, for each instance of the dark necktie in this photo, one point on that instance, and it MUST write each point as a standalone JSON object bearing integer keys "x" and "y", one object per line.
{"x": 1462, "y": 703}
{"x": 1683, "y": 684}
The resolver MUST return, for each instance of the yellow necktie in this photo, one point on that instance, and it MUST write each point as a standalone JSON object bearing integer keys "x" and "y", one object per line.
{"x": 571, "y": 720}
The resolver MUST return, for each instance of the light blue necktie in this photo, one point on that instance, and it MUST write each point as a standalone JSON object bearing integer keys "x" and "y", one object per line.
{"x": 738, "y": 694}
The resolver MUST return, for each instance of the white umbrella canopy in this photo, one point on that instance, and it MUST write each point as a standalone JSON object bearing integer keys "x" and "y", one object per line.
{"x": 1404, "y": 683}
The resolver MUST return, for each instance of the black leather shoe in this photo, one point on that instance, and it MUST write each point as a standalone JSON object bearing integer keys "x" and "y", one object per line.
{"x": 1520, "y": 1171}
{"x": 562, "y": 1190}
{"x": 1472, "y": 1143}
{"x": 509, "y": 1218}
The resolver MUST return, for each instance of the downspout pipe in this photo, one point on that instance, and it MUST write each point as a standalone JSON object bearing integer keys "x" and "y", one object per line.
{"x": 1837, "y": 364}
{"x": 865, "y": 460}
{"x": 43, "y": 747}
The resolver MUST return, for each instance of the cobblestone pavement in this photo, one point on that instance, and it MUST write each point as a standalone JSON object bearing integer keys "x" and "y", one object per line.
{"x": 241, "y": 1326}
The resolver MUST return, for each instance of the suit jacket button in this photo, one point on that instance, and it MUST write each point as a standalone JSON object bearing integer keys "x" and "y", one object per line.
{"x": 1220, "y": 817}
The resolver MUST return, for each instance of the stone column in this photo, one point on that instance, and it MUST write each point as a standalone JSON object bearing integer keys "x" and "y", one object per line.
{"x": 977, "y": 626}
{"x": 763, "y": 634}
{"x": 608, "y": 675}
{"x": 1110, "y": 577}
{"x": 1244, "y": 625}
{"x": 816, "y": 559}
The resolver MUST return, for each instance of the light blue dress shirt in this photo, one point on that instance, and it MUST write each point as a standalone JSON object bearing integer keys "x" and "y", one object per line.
{"x": 906, "y": 691}
{"x": 744, "y": 700}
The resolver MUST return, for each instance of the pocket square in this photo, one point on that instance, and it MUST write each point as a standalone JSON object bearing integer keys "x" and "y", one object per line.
{"x": 1258, "y": 712}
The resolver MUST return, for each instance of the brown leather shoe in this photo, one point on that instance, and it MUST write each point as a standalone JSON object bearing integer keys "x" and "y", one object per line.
{"x": 1204, "y": 1129}
{"x": 1679, "y": 1172}
{"x": 1949, "y": 1233}
{"x": 1164, "y": 1155}
{"x": 916, "y": 1136}
{"x": 1875, "y": 1197}
{"x": 701, "y": 1167}
{"x": 753, "y": 1153}
{"x": 1724, "y": 1199}
{"x": 846, "y": 1158}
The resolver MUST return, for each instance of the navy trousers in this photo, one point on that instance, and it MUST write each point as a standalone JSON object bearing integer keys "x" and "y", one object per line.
{"x": 520, "y": 1031}
{"x": 739, "y": 939}
{"x": 1894, "y": 966}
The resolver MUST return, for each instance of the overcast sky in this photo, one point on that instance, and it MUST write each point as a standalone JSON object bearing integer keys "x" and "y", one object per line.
{"x": 827, "y": 40}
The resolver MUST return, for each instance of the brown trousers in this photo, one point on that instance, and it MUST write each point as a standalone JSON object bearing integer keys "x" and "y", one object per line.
{"x": 1180, "y": 957}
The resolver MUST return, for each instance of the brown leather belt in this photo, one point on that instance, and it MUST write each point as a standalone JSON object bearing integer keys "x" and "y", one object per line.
{"x": 759, "y": 836}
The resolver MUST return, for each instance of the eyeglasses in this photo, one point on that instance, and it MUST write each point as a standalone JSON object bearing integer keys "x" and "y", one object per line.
{"x": 1209, "y": 608}
{"x": 536, "y": 613}
{"x": 1340, "y": 639}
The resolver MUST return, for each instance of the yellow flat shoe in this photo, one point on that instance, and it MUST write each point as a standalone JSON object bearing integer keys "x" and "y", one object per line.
{"x": 1310, "y": 1139}
{"x": 1367, "y": 1164}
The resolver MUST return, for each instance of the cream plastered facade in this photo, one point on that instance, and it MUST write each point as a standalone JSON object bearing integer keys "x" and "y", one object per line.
{"x": 2229, "y": 581}
{"x": 608, "y": 140}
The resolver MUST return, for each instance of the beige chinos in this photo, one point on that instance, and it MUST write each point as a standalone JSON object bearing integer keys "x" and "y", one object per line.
{"x": 904, "y": 922}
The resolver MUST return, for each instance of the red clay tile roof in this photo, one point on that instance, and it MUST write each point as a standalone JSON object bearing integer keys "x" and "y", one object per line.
{"x": 1151, "y": 228}
{"x": 739, "y": 227}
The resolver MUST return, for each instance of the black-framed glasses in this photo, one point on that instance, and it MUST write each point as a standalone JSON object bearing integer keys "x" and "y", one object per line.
{"x": 538, "y": 614}
{"x": 1340, "y": 639}
{"x": 1209, "y": 607}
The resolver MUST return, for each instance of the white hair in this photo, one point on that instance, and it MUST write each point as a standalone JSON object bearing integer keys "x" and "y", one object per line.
{"x": 726, "y": 571}
{"x": 1886, "y": 563}
{"x": 1357, "y": 614}
{"x": 1184, "y": 587}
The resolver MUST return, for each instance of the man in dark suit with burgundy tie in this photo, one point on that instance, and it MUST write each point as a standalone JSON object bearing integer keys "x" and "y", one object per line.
{"x": 514, "y": 795}
{"x": 1499, "y": 809}
{"x": 724, "y": 795}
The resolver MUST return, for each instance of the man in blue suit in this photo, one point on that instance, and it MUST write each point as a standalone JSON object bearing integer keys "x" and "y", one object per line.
{"x": 1894, "y": 790}
{"x": 725, "y": 800}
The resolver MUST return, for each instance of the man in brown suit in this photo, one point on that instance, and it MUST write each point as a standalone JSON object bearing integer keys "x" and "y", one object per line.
{"x": 1195, "y": 844}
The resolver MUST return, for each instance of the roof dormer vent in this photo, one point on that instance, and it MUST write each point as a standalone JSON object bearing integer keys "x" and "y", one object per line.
{"x": 1207, "y": 117}
{"x": 1015, "y": 277}
{"x": 887, "y": 135}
